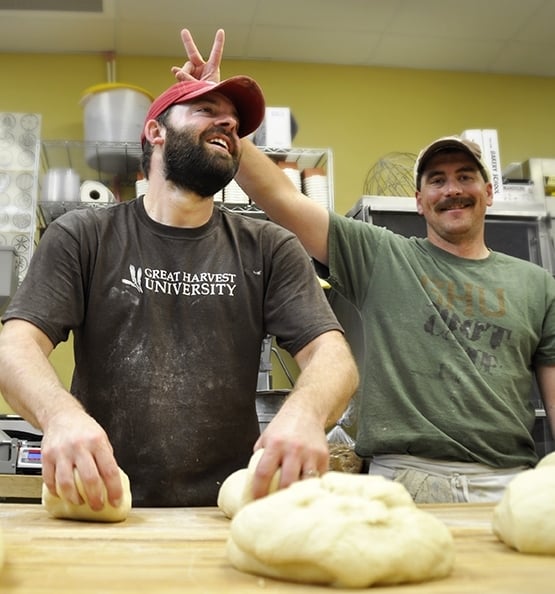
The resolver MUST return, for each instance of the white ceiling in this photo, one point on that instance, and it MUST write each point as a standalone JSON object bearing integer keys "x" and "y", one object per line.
{"x": 497, "y": 36}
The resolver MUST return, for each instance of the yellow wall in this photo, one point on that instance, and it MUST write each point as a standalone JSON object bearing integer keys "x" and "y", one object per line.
{"x": 360, "y": 113}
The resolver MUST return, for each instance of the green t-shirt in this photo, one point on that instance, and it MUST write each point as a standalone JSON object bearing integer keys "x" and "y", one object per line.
{"x": 450, "y": 345}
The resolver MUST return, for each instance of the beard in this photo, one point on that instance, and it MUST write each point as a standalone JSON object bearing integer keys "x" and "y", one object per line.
{"x": 191, "y": 166}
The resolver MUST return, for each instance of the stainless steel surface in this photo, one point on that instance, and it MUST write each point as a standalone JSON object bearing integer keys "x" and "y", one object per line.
{"x": 8, "y": 275}
{"x": 268, "y": 402}
{"x": 20, "y": 446}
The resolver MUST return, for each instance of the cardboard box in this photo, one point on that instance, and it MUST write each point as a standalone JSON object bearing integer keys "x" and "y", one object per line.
{"x": 492, "y": 157}
{"x": 275, "y": 130}
{"x": 489, "y": 143}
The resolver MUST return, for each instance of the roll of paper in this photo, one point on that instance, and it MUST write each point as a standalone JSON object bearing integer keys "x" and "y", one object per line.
{"x": 94, "y": 191}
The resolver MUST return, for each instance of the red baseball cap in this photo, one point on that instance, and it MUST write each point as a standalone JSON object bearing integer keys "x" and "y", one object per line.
{"x": 243, "y": 91}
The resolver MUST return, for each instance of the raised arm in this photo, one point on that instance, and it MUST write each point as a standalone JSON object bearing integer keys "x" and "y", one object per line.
{"x": 267, "y": 185}
{"x": 259, "y": 177}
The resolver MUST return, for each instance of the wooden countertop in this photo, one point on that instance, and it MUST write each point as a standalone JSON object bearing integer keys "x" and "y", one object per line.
{"x": 20, "y": 486}
{"x": 183, "y": 550}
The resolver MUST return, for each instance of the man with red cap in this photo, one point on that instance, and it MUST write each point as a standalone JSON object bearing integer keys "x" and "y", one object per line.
{"x": 454, "y": 333}
{"x": 169, "y": 299}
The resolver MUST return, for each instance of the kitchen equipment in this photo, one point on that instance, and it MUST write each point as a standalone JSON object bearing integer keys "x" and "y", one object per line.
{"x": 20, "y": 446}
{"x": 8, "y": 275}
{"x": 391, "y": 175}
{"x": 60, "y": 185}
{"x": 268, "y": 402}
{"x": 113, "y": 113}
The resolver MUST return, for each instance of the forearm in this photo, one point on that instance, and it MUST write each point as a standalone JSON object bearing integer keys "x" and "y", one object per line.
{"x": 28, "y": 382}
{"x": 545, "y": 376}
{"x": 328, "y": 379}
{"x": 72, "y": 439}
{"x": 295, "y": 441}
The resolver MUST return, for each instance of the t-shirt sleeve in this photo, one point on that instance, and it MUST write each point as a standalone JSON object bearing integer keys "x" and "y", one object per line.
{"x": 51, "y": 294}
{"x": 296, "y": 309}
{"x": 545, "y": 352}
{"x": 353, "y": 246}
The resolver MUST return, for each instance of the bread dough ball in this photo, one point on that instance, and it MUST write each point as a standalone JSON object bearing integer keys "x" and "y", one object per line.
{"x": 236, "y": 490}
{"x": 548, "y": 460}
{"x": 342, "y": 529}
{"x": 232, "y": 495}
{"x": 524, "y": 519}
{"x": 61, "y": 508}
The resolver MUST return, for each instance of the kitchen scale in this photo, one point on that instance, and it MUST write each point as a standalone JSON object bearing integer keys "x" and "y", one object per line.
{"x": 20, "y": 446}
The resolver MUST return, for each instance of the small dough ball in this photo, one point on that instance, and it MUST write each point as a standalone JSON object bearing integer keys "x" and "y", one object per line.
{"x": 232, "y": 493}
{"x": 61, "y": 508}
{"x": 236, "y": 490}
{"x": 344, "y": 530}
{"x": 524, "y": 519}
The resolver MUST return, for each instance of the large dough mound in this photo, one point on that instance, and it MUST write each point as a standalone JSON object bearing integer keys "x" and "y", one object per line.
{"x": 342, "y": 529}
{"x": 524, "y": 519}
{"x": 61, "y": 508}
{"x": 236, "y": 490}
{"x": 548, "y": 460}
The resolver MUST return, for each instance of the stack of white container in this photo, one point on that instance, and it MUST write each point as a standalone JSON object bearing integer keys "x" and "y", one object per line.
{"x": 291, "y": 170}
{"x": 315, "y": 185}
{"x": 233, "y": 194}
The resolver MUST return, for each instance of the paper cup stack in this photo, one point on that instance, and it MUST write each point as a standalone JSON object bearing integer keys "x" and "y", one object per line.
{"x": 233, "y": 194}
{"x": 291, "y": 170}
{"x": 315, "y": 185}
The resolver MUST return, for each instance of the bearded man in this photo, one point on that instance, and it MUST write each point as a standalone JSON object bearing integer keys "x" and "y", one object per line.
{"x": 169, "y": 298}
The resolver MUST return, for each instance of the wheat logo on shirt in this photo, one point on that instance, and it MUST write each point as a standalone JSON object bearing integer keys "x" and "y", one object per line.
{"x": 180, "y": 282}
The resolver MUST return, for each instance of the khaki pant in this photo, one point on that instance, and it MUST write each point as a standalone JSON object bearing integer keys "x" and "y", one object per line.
{"x": 440, "y": 481}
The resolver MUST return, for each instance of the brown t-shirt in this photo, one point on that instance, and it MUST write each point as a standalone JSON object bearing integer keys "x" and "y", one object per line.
{"x": 167, "y": 326}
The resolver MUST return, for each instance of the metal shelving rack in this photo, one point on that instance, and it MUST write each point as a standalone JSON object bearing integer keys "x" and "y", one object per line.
{"x": 95, "y": 161}
{"x": 90, "y": 159}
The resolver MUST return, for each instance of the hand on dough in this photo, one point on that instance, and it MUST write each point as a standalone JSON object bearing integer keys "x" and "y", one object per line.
{"x": 236, "y": 491}
{"x": 295, "y": 443}
{"x": 58, "y": 507}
